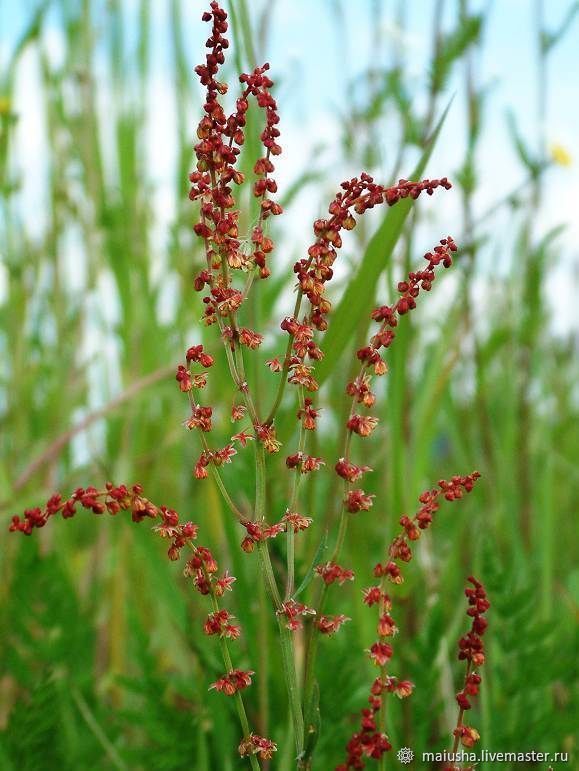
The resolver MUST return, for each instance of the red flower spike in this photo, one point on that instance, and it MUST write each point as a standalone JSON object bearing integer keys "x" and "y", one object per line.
{"x": 470, "y": 648}
{"x": 112, "y": 499}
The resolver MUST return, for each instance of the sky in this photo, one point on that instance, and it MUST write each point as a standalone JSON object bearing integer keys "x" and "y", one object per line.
{"x": 313, "y": 58}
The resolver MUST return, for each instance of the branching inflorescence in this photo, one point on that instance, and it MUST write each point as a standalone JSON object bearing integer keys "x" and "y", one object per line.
{"x": 232, "y": 263}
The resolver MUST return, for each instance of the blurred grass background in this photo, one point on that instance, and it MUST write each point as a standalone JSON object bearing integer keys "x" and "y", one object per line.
{"x": 102, "y": 661}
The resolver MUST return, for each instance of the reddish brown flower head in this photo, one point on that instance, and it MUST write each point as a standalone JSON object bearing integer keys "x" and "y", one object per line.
{"x": 266, "y": 435}
{"x": 224, "y": 584}
{"x": 259, "y": 531}
{"x": 197, "y": 354}
{"x": 380, "y": 653}
{"x": 308, "y": 415}
{"x": 386, "y": 626}
{"x": 294, "y": 611}
{"x": 331, "y": 572}
{"x": 358, "y": 500}
{"x": 360, "y": 389}
{"x": 468, "y": 736}
{"x": 363, "y": 425}
{"x": 200, "y": 418}
{"x": 233, "y": 681}
{"x": 391, "y": 571}
{"x": 183, "y": 377}
{"x": 219, "y": 457}
{"x": 297, "y": 521}
{"x": 274, "y": 365}
{"x": 331, "y": 624}
{"x": 304, "y": 463}
{"x": 218, "y": 623}
{"x": 249, "y": 338}
{"x": 350, "y": 471}
{"x": 355, "y": 197}
{"x": 238, "y": 412}
{"x": 111, "y": 500}
{"x": 257, "y": 745}
{"x": 373, "y": 595}
{"x": 243, "y": 437}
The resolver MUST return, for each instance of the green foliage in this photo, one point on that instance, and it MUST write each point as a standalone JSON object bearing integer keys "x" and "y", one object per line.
{"x": 452, "y": 46}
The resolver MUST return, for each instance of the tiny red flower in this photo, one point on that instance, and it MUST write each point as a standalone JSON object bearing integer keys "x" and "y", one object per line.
{"x": 331, "y": 572}
{"x": 363, "y": 425}
{"x": 297, "y": 521}
{"x": 331, "y": 624}
{"x": 293, "y": 611}
{"x": 257, "y": 745}
{"x": 380, "y": 653}
{"x": 183, "y": 377}
{"x": 233, "y": 681}
{"x": 358, "y": 500}
{"x": 274, "y": 365}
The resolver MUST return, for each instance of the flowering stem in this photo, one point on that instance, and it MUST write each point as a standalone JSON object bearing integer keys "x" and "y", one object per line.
{"x": 312, "y": 648}
{"x": 286, "y": 362}
{"x": 383, "y": 675}
{"x": 460, "y": 713}
{"x": 290, "y": 535}
{"x": 229, "y": 666}
{"x": 216, "y": 475}
{"x": 286, "y": 639}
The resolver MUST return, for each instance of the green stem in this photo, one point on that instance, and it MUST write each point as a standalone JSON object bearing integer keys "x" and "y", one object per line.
{"x": 290, "y": 535}
{"x": 216, "y": 475}
{"x": 383, "y": 675}
{"x": 312, "y": 645}
{"x": 286, "y": 363}
{"x": 229, "y": 667}
{"x": 238, "y": 697}
{"x": 287, "y": 643}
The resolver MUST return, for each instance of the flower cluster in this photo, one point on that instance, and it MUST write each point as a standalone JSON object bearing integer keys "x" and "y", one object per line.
{"x": 331, "y": 572}
{"x": 372, "y": 362}
{"x": 257, "y": 745}
{"x": 293, "y": 612}
{"x": 233, "y": 681}
{"x": 330, "y": 624}
{"x": 110, "y": 500}
{"x": 220, "y": 138}
{"x": 315, "y": 270}
{"x": 371, "y": 741}
{"x": 451, "y": 490}
{"x": 257, "y": 532}
{"x": 471, "y": 650}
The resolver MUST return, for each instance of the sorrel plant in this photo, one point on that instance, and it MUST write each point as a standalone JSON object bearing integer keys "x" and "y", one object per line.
{"x": 234, "y": 263}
